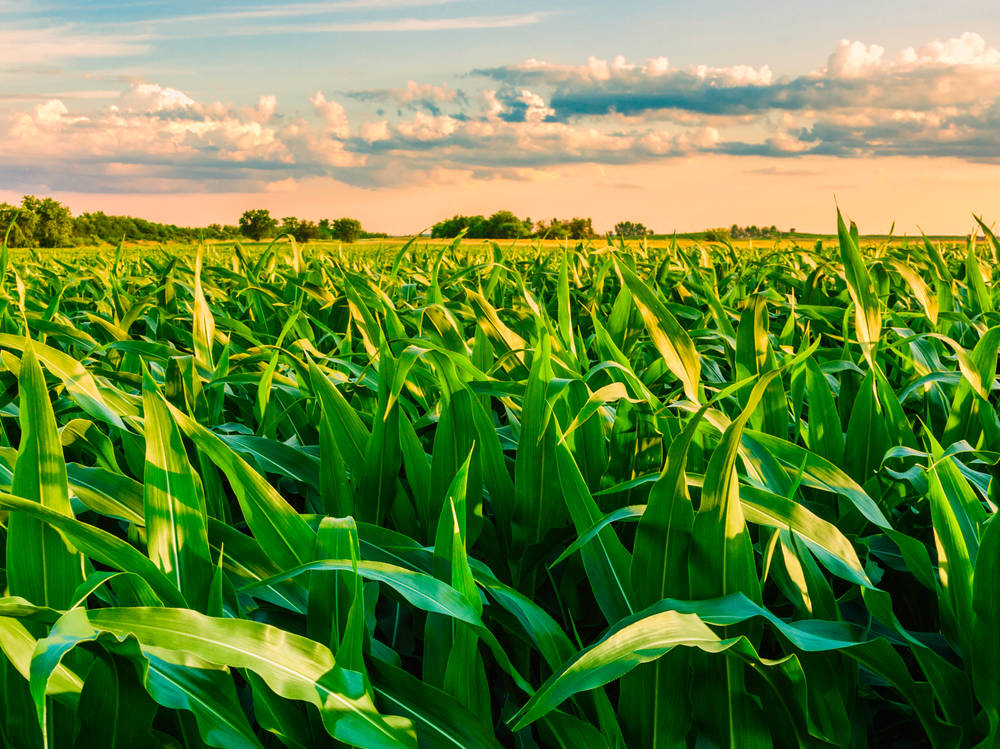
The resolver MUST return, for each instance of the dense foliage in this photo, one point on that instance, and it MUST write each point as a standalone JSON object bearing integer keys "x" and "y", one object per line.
{"x": 754, "y": 232}
{"x": 602, "y": 497}
{"x": 501, "y": 225}
{"x": 722, "y": 234}
{"x": 505, "y": 225}
{"x": 45, "y": 222}
{"x": 258, "y": 224}
{"x": 631, "y": 230}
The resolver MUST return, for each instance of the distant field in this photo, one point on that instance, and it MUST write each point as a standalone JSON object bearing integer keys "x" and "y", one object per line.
{"x": 366, "y": 246}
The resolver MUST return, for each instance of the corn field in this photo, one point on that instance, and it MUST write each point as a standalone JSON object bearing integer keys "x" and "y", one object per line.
{"x": 602, "y": 496}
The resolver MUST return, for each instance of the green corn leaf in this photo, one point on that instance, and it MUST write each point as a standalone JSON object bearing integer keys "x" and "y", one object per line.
{"x": 41, "y": 566}
{"x": 99, "y": 545}
{"x": 281, "y": 531}
{"x": 203, "y": 332}
{"x": 294, "y": 667}
{"x": 174, "y": 503}
{"x": 867, "y": 311}
{"x": 722, "y": 559}
{"x": 985, "y": 656}
{"x": 669, "y": 337}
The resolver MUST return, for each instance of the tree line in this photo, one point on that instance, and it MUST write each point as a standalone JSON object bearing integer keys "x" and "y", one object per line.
{"x": 258, "y": 224}
{"x": 506, "y": 225}
{"x": 45, "y": 222}
{"x": 735, "y": 231}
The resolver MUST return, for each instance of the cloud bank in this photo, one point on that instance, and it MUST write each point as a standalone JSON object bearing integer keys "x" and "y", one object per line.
{"x": 941, "y": 99}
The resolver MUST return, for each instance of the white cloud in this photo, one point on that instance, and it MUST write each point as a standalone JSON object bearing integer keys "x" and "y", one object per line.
{"x": 151, "y": 97}
{"x": 459, "y": 23}
{"x": 428, "y": 127}
{"x": 290, "y": 10}
{"x": 414, "y": 96}
{"x": 854, "y": 59}
{"x": 24, "y": 46}
{"x": 968, "y": 49}
{"x": 415, "y": 91}
{"x": 375, "y": 131}
{"x": 621, "y": 72}
{"x": 333, "y": 112}
{"x": 395, "y": 25}
{"x": 940, "y": 99}
{"x": 266, "y": 107}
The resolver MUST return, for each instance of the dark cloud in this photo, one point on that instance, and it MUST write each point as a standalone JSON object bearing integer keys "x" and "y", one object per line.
{"x": 919, "y": 89}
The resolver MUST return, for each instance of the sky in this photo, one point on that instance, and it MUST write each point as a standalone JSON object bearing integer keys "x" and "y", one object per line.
{"x": 679, "y": 114}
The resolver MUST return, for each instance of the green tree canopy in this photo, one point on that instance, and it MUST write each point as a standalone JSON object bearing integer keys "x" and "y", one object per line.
{"x": 257, "y": 224}
{"x": 301, "y": 229}
{"x": 631, "y": 230}
{"x": 345, "y": 229}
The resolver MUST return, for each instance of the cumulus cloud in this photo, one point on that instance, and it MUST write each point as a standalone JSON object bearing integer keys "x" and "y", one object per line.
{"x": 856, "y": 75}
{"x": 154, "y": 135}
{"x": 151, "y": 97}
{"x": 266, "y": 107}
{"x": 414, "y": 96}
{"x": 518, "y": 105}
{"x": 939, "y": 99}
{"x": 333, "y": 113}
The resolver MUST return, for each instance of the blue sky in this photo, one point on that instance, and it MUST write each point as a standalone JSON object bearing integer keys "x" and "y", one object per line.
{"x": 678, "y": 113}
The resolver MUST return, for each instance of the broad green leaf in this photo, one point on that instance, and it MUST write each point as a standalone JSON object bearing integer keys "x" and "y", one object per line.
{"x": 669, "y": 337}
{"x": 174, "y": 503}
{"x": 281, "y": 531}
{"x": 98, "y": 545}
{"x": 867, "y": 310}
{"x": 294, "y": 667}
{"x": 41, "y": 566}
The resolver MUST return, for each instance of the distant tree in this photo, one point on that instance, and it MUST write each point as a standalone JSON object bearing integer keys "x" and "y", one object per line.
{"x": 581, "y": 228}
{"x": 54, "y": 224}
{"x": 501, "y": 225}
{"x": 257, "y": 224}
{"x": 573, "y": 228}
{"x": 45, "y": 222}
{"x": 289, "y": 225}
{"x": 346, "y": 229}
{"x": 302, "y": 230}
{"x": 219, "y": 231}
{"x": 452, "y": 227}
{"x": 504, "y": 225}
{"x": 20, "y": 223}
{"x": 631, "y": 230}
{"x": 554, "y": 229}
{"x": 719, "y": 234}
{"x": 752, "y": 231}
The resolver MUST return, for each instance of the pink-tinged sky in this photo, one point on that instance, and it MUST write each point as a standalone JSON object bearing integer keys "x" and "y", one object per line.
{"x": 402, "y": 112}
